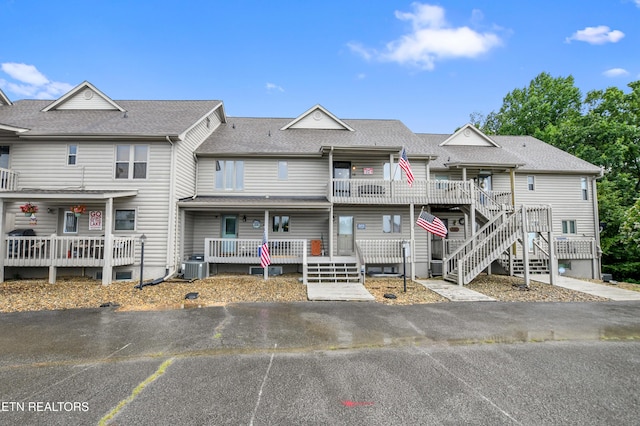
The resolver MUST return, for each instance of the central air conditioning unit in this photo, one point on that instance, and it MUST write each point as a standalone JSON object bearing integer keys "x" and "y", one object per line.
{"x": 193, "y": 269}
{"x": 258, "y": 270}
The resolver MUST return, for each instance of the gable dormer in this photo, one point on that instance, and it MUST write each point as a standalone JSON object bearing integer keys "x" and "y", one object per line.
{"x": 3, "y": 99}
{"x": 317, "y": 117}
{"x": 82, "y": 97}
{"x": 469, "y": 135}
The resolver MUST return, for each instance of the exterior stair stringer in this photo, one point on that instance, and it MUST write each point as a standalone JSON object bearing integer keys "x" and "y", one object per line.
{"x": 479, "y": 251}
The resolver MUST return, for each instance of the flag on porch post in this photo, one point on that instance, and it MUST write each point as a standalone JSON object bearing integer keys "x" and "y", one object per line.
{"x": 265, "y": 257}
{"x": 403, "y": 162}
{"x": 432, "y": 224}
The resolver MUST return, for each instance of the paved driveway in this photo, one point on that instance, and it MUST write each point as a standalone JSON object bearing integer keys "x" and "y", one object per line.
{"x": 325, "y": 363}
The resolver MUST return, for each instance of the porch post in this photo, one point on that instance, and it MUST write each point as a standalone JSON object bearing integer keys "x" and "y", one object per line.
{"x": 265, "y": 271}
{"x": 331, "y": 232}
{"x": 553, "y": 262}
{"x": 107, "y": 268}
{"x": 3, "y": 242}
{"x": 412, "y": 238}
{"x": 525, "y": 247}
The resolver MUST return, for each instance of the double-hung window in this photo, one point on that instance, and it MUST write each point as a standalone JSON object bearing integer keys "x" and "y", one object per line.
{"x": 391, "y": 223}
{"x": 131, "y": 161}
{"x": 280, "y": 224}
{"x": 283, "y": 170}
{"x": 72, "y": 155}
{"x": 531, "y": 183}
{"x": 229, "y": 175}
{"x": 568, "y": 226}
{"x": 584, "y": 187}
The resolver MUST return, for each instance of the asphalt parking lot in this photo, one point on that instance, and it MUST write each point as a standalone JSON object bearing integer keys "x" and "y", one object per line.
{"x": 324, "y": 363}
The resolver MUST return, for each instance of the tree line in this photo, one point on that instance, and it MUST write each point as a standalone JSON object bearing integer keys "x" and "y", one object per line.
{"x": 603, "y": 128}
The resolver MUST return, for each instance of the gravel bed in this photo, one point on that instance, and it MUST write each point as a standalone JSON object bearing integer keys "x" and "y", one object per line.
{"x": 71, "y": 293}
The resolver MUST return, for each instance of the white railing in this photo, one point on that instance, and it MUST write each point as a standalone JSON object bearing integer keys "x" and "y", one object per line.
{"x": 234, "y": 250}
{"x": 489, "y": 203}
{"x": 493, "y": 239}
{"x": 66, "y": 251}
{"x": 381, "y": 251}
{"x": 380, "y": 191}
{"x": 8, "y": 180}
{"x": 451, "y": 262}
{"x": 575, "y": 248}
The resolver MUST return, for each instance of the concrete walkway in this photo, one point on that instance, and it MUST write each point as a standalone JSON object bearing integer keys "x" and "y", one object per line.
{"x": 338, "y": 292}
{"x": 453, "y": 292}
{"x": 609, "y": 292}
{"x": 456, "y": 293}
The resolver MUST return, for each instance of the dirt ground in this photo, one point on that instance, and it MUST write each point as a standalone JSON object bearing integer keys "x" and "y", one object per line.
{"x": 71, "y": 293}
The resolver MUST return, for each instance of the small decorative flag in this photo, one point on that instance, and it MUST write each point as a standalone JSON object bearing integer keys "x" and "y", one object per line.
{"x": 432, "y": 224}
{"x": 404, "y": 165}
{"x": 265, "y": 257}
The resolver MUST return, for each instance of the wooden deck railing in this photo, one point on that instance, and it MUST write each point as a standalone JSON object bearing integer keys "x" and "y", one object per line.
{"x": 381, "y": 251}
{"x": 8, "y": 180}
{"x": 66, "y": 251}
{"x": 234, "y": 250}
{"x": 380, "y": 191}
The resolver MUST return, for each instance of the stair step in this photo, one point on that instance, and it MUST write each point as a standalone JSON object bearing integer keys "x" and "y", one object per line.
{"x": 339, "y": 272}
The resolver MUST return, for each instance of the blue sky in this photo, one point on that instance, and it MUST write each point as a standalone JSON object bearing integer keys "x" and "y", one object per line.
{"x": 429, "y": 64}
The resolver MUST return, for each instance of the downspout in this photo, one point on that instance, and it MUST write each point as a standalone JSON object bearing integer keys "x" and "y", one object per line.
{"x": 596, "y": 218}
{"x": 172, "y": 223}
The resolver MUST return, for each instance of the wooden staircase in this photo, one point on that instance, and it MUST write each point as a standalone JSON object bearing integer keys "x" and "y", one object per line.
{"x": 344, "y": 272}
{"x": 492, "y": 240}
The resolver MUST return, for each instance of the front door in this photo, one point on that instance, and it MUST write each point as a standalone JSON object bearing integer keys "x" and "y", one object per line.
{"x": 345, "y": 236}
{"x": 229, "y": 230}
{"x": 342, "y": 172}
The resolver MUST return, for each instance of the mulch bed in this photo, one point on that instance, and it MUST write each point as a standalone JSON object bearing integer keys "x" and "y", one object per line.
{"x": 72, "y": 293}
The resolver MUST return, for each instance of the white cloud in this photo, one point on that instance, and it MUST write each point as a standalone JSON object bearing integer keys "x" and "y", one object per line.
{"x": 31, "y": 83}
{"x": 637, "y": 2}
{"x": 596, "y": 35}
{"x": 274, "y": 88}
{"x": 431, "y": 39}
{"x": 616, "y": 72}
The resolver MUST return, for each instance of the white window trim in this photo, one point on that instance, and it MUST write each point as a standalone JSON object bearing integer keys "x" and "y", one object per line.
{"x": 222, "y": 163}
{"x": 135, "y": 220}
{"x": 64, "y": 225}
{"x": 74, "y": 155}
{"x": 131, "y": 161}
{"x": 532, "y": 186}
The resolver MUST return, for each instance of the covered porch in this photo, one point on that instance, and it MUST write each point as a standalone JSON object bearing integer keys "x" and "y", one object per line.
{"x": 91, "y": 243}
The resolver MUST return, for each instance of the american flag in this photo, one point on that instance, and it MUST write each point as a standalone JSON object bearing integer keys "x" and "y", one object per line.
{"x": 404, "y": 165}
{"x": 265, "y": 257}
{"x": 432, "y": 224}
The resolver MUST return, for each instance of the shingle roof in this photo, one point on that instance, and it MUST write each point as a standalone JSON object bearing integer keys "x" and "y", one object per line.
{"x": 263, "y": 136}
{"x": 529, "y": 153}
{"x": 144, "y": 118}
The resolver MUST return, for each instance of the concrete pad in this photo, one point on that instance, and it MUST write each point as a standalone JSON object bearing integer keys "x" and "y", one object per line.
{"x": 613, "y": 293}
{"x": 455, "y": 293}
{"x": 338, "y": 291}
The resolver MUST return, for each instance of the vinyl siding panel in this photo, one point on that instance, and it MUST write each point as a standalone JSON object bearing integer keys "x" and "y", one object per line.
{"x": 186, "y": 165}
{"x": 306, "y": 177}
{"x": 302, "y": 225}
{"x": 564, "y": 193}
{"x": 43, "y": 165}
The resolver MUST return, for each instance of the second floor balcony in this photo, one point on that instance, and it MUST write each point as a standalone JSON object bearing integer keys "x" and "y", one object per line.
{"x": 381, "y": 191}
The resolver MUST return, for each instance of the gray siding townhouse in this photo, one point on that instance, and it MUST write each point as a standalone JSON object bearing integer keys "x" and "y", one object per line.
{"x": 327, "y": 194}
{"x": 102, "y": 173}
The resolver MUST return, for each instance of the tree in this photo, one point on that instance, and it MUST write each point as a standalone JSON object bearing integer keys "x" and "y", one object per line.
{"x": 545, "y": 102}
{"x": 603, "y": 130}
